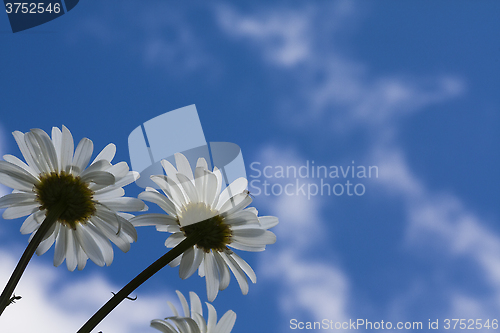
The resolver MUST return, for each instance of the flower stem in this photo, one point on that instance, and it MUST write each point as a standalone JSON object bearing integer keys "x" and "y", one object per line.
{"x": 50, "y": 219}
{"x": 190, "y": 241}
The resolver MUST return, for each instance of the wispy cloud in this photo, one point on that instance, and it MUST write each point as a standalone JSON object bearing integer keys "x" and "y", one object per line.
{"x": 330, "y": 87}
{"x": 445, "y": 229}
{"x": 50, "y": 304}
{"x": 310, "y": 288}
{"x": 333, "y": 91}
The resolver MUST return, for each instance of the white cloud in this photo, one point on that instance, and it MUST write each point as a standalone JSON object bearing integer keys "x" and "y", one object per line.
{"x": 441, "y": 220}
{"x": 334, "y": 92}
{"x": 330, "y": 87}
{"x": 283, "y": 38}
{"x": 309, "y": 287}
{"x": 50, "y": 304}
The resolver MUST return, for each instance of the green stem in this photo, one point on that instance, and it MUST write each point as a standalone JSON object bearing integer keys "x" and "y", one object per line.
{"x": 190, "y": 241}
{"x": 50, "y": 219}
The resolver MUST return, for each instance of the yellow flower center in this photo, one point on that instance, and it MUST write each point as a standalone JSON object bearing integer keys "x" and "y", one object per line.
{"x": 216, "y": 233}
{"x": 63, "y": 188}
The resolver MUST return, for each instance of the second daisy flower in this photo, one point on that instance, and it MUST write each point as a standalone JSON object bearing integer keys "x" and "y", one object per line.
{"x": 195, "y": 204}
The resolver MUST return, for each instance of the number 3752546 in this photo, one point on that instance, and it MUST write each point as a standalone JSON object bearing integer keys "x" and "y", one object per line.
{"x": 32, "y": 8}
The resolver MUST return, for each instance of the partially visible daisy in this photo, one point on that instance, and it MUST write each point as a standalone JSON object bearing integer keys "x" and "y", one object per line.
{"x": 55, "y": 173}
{"x": 190, "y": 199}
{"x": 193, "y": 321}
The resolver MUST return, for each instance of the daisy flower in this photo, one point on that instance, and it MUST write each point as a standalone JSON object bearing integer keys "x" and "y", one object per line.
{"x": 193, "y": 321}
{"x": 93, "y": 197}
{"x": 195, "y": 204}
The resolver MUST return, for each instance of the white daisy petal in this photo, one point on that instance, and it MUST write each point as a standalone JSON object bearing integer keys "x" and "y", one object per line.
{"x": 36, "y": 152}
{"x": 153, "y": 219}
{"x": 236, "y": 203}
{"x": 183, "y": 165}
{"x": 47, "y": 146}
{"x": 16, "y": 198}
{"x": 184, "y": 324}
{"x": 239, "y": 274}
{"x": 176, "y": 261}
{"x": 107, "y": 154}
{"x": 200, "y": 181}
{"x": 218, "y": 175}
{"x": 186, "y": 263}
{"x": 40, "y": 216}
{"x": 200, "y": 321}
{"x": 188, "y": 187}
{"x": 114, "y": 219}
{"x": 99, "y": 177}
{"x": 193, "y": 321}
{"x": 15, "y": 183}
{"x": 184, "y": 303}
{"x": 268, "y": 222}
{"x": 224, "y": 276}
{"x": 16, "y": 161}
{"x": 20, "y": 210}
{"x": 170, "y": 170}
{"x": 162, "y": 182}
{"x": 196, "y": 306}
{"x": 236, "y": 187}
{"x": 29, "y": 225}
{"x": 160, "y": 200}
{"x": 111, "y": 234}
{"x": 119, "y": 170}
{"x": 17, "y": 173}
{"x": 82, "y": 155}
{"x": 89, "y": 245}
{"x": 19, "y": 137}
{"x": 245, "y": 267}
{"x": 102, "y": 242}
{"x": 49, "y": 239}
{"x": 123, "y": 203}
{"x": 209, "y": 188}
{"x": 60, "y": 248}
{"x": 105, "y": 195}
{"x": 172, "y": 307}
{"x": 249, "y": 248}
{"x": 201, "y": 269}
{"x": 81, "y": 257}
{"x": 254, "y": 237}
{"x": 101, "y": 165}
{"x": 57, "y": 142}
{"x": 178, "y": 194}
{"x": 168, "y": 228}
{"x": 226, "y": 323}
{"x": 212, "y": 318}
{"x": 67, "y": 148}
{"x": 211, "y": 276}
{"x": 202, "y": 163}
{"x": 163, "y": 326}
{"x": 71, "y": 249}
{"x": 131, "y": 177}
{"x": 242, "y": 218}
{"x": 174, "y": 239}
{"x": 198, "y": 257}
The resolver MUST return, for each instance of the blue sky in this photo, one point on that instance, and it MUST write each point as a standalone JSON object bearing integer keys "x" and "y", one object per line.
{"x": 410, "y": 88}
